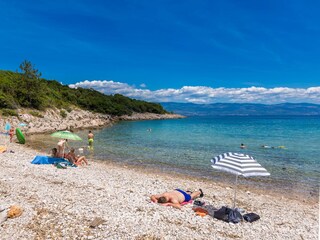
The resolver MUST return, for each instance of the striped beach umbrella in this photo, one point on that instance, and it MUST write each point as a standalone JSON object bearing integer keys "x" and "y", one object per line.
{"x": 239, "y": 164}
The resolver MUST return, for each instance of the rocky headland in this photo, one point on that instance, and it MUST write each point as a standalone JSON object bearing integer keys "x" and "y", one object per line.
{"x": 32, "y": 122}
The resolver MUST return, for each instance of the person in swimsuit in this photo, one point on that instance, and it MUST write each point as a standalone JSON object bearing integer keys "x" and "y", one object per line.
{"x": 176, "y": 197}
{"x": 90, "y": 140}
{"x": 61, "y": 147}
{"x": 242, "y": 146}
{"x": 11, "y": 133}
{"x": 78, "y": 160}
{"x": 54, "y": 152}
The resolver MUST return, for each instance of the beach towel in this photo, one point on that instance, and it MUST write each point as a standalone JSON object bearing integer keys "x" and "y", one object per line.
{"x": 3, "y": 149}
{"x": 7, "y": 127}
{"x": 47, "y": 160}
{"x": 200, "y": 211}
{"x": 184, "y": 203}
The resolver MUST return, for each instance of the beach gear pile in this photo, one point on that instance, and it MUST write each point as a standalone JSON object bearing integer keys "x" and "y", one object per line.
{"x": 226, "y": 214}
{"x": 234, "y": 216}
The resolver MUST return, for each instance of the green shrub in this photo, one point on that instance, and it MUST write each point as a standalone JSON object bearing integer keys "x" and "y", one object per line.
{"x": 68, "y": 108}
{"x": 36, "y": 114}
{"x": 63, "y": 113}
{"x": 9, "y": 112}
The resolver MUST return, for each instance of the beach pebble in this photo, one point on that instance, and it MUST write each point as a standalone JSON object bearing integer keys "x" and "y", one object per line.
{"x": 96, "y": 222}
{"x": 115, "y": 202}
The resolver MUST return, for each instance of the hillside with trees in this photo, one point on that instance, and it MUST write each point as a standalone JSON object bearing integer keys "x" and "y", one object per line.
{"x": 26, "y": 89}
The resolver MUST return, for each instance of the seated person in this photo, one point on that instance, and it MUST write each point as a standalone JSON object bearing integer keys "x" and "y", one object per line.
{"x": 78, "y": 160}
{"x": 54, "y": 153}
{"x": 176, "y": 197}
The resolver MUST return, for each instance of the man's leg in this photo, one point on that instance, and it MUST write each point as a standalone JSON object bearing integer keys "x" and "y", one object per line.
{"x": 196, "y": 194}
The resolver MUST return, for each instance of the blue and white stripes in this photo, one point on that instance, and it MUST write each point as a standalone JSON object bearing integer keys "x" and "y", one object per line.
{"x": 239, "y": 164}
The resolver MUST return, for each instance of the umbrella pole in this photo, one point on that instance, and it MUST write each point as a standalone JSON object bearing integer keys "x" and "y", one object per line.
{"x": 235, "y": 193}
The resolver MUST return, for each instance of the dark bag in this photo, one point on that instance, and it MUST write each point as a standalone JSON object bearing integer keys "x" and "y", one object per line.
{"x": 221, "y": 214}
{"x": 234, "y": 216}
{"x": 228, "y": 215}
{"x": 251, "y": 217}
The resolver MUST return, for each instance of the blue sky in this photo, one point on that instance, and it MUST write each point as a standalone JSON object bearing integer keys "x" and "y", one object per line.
{"x": 187, "y": 51}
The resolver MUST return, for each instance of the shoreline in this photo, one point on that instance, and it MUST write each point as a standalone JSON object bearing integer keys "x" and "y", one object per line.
{"x": 263, "y": 185}
{"x": 61, "y": 203}
{"x": 224, "y": 183}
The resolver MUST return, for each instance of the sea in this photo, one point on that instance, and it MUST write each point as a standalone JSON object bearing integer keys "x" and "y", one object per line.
{"x": 186, "y": 147}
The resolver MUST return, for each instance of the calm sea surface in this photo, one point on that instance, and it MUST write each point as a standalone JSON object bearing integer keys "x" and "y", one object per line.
{"x": 187, "y": 146}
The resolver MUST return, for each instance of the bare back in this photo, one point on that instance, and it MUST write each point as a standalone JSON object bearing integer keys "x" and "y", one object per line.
{"x": 174, "y": 196}
{"x": 90, "y": 136}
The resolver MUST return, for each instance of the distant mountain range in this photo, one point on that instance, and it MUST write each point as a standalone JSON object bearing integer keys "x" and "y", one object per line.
{"x": 244, "y": 109}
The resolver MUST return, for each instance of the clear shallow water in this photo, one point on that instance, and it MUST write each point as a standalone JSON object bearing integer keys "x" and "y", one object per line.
{"x": 187, "y": 145}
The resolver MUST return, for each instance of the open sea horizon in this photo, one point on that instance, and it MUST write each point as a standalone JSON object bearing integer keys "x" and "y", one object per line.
{"x": 187, "y": 145}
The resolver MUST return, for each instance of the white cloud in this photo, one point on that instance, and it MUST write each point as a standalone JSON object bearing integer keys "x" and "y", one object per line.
{"x": 202, "y": 94}
{"x": 143, "y": 85}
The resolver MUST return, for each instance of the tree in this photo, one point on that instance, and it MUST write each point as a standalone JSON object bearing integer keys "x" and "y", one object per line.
{"x": 30, "y": 91}
{"x": 29, "y": 71}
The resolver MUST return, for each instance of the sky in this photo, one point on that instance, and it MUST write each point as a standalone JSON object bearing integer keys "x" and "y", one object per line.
{"x": 202, "y": 51}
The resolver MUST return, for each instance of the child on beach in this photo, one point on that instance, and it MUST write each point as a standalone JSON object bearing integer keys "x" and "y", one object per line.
{"x": 11, "y": 133}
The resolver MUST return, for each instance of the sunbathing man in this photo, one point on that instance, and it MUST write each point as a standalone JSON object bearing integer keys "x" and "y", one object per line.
{"x": 176, "y": 197}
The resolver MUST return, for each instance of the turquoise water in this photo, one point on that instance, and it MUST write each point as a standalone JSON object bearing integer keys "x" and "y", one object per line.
{"x": 187, "y": 146}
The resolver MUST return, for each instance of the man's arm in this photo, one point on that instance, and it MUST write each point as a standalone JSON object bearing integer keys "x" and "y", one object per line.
{"x": 175, "y": 205}
{"x": 154, "y": 198}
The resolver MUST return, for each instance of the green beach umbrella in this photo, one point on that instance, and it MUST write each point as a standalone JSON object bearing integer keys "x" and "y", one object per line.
{"x": 66, "y": 135}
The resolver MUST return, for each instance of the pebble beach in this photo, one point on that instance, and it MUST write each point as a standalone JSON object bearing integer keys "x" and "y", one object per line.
{"x": 108, "y": 201}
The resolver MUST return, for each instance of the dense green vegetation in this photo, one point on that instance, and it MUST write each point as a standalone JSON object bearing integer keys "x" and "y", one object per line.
{"x": 26, "y": 89}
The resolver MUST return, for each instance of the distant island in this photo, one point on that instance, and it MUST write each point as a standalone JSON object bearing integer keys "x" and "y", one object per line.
{"x": 243, "y": 109}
